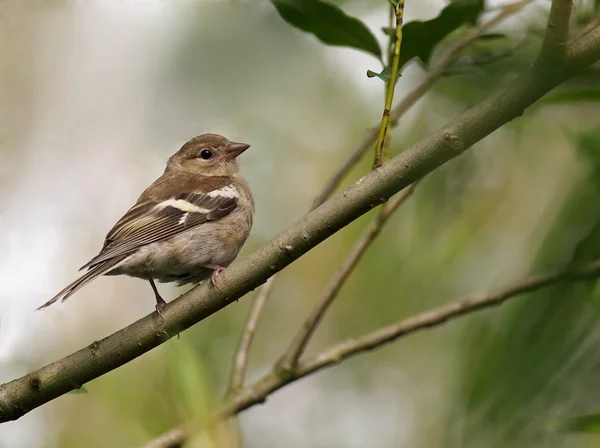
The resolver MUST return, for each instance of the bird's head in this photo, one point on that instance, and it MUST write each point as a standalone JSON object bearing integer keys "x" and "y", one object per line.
{"x": 207, "y": 155}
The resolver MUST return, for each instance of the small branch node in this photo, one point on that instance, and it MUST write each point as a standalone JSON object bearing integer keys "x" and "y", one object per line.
{"x": 455, "y": 142}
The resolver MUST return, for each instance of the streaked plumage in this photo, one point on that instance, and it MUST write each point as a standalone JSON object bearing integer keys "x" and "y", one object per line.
{"x": 187, "y": 226}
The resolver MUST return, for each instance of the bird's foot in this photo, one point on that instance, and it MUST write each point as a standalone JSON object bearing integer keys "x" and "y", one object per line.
{"x": 160, "y": 304}
{"x": 216, "y": 270}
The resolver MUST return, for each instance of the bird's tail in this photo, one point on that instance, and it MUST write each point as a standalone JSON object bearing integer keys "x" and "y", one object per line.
{"x": 95, "y": 271}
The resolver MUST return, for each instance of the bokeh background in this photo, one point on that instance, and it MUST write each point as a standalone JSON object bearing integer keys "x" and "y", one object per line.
{"x": 96, "y": 94}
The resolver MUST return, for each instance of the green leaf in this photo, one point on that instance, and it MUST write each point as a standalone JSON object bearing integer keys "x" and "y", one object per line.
{"x": 589, "y": 423}
{"x": 572, "y": 96}
{"x": 328, "y": 23}
{"x": 384, "y": 75}
{"x": 388, "y": 31}
{"x": 420, "y": 38}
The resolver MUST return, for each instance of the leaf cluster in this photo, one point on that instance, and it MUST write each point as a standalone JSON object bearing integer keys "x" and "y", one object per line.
{"x": 332, "y": 26}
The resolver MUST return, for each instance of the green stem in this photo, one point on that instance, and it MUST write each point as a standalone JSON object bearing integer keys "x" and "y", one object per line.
{"x": 390, "y": 87}
{"x": 390, "y": 49}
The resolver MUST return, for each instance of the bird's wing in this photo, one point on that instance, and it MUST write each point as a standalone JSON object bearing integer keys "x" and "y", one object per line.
{"x": 151, "y": 221}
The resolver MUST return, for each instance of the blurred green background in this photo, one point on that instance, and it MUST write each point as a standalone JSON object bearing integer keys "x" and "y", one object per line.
{"x": 97, "y": 94}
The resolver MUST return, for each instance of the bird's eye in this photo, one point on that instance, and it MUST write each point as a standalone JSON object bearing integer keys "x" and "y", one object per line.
{"x": 206, "y": 154}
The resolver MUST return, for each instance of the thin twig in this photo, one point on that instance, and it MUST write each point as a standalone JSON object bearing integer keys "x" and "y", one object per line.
{"x": 594, "y": 23}
{"x": 492, "y": 58}
{"x": 390, "y": 49}
{"x": 174, "y": 438}
{"x": 390, "y": 85}
{"x": 410, "y": 100}
{"x": 415, "y": 95}
{"x": 555, "y": 40}
{"x": 243, "y": 351}
{"x": 273, "y": 381}
{"x": 290, "y": 359}
{"x": 450, "y": 56}
{"x": 584, "y": 51}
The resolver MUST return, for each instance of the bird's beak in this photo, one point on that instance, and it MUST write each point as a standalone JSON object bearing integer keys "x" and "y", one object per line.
{"x": 233, "y": 149}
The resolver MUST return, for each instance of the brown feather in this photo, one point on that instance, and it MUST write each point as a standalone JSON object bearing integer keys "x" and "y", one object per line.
{"x": 172, "y": 183}
{"x": 143, "y": 224}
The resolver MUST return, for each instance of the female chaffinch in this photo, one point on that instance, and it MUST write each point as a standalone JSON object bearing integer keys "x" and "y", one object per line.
{"x": 185, "y": 227}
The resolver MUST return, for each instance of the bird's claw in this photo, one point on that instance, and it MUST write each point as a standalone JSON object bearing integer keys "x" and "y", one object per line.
{"x": 216, "y": 270}
{"x": 159, "y": 307}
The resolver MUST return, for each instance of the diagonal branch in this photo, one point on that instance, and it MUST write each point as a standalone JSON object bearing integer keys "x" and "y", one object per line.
{"x": 490, "y": 59}
{"x": 21, "y": 395}
{"x": 595, "y": 23}
{"x": 258, "y": 392}
{"x": 290, "y": 359}
{"x": 174, "y": 438}
{"x": 585, "y": 50}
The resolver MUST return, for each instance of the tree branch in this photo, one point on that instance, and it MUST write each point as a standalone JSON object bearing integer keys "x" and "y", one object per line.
{"x": 30, "y": 391}
{"x": 259, "y": 392}
{"x": 290, "y": 359}
{"x": 554, "y": 45}
{"x": 585, "y": 50}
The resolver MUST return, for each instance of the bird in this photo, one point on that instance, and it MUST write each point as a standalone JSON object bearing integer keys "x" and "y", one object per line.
{"x": 186, "y": 227}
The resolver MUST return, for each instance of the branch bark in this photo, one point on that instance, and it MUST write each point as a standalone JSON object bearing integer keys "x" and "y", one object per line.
{"x": 30, "y": 391}
{"x": 554, "y": 45}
